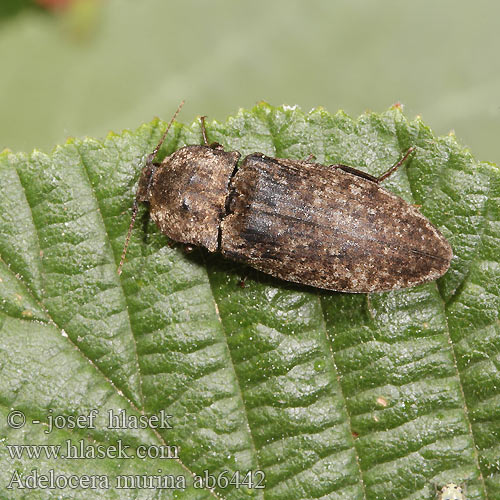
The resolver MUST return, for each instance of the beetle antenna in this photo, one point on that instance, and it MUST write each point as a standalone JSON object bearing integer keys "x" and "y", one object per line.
{"x": 151, "y": 157}
{"x": 135, "y": 206}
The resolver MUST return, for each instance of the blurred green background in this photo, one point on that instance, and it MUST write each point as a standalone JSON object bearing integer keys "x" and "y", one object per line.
{"x": 101, "y": 65}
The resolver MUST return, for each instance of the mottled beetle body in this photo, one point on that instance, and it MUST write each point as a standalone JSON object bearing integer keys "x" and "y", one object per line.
{"x": 321, "y": 226}
{"x": 330, "y": 227}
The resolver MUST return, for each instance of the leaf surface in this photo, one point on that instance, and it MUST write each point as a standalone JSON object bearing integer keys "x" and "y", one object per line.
{"x": 331, "y": 395}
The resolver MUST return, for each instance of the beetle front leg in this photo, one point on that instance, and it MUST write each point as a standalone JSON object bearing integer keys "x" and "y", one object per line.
{"x": 213, "y": 145}
{"x": 203, "y": 130}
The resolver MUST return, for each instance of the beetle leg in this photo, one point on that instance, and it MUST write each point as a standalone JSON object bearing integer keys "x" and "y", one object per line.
{"x": 372, "y": 178}
{"x": 203, "y": 130}
{"x": 389, "y": 172}
{"x": 355, "y": 171}
{"x": 309, "y": 158}
{"x": 213, "y": 145}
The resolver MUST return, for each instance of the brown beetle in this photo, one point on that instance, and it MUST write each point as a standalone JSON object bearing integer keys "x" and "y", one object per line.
{"x": 330, "y": 227}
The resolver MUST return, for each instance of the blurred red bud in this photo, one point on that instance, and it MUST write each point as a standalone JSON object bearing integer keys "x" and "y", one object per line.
{"x": 54, "y": 4}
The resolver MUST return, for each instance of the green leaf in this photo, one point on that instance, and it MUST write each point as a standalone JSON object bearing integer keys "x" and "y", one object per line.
{"x": 381, "y": 396}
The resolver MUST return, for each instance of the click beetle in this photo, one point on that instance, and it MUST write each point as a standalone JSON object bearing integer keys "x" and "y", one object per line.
{"x": 327, "y": 226}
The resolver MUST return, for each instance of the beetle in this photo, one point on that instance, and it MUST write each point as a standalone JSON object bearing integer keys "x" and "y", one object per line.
{"x": 332, "y": 227}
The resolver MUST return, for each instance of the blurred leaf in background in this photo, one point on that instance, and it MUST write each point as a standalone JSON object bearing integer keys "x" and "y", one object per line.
{"x": 12, "y": 7}
{"x": 121, "y": 62}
